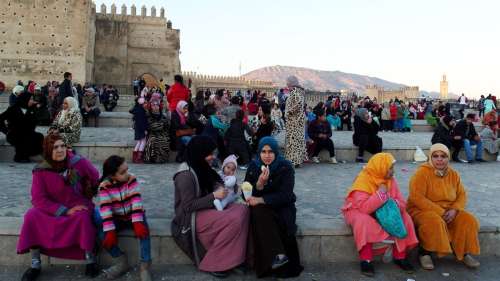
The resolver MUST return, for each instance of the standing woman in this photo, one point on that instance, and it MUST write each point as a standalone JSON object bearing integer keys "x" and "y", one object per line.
{"x": 68, "y": 122}
{"x": 437, "y": 205}
{"x": 273, "y": 212}
{"x": 215, "y": 240}
{"x": 158, "y": 144}
{"x": 60, "y": 222}
{"x": 295, "y": 148}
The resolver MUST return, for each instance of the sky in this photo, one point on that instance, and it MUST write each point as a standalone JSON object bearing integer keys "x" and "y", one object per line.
{"x": 404, "y": 41}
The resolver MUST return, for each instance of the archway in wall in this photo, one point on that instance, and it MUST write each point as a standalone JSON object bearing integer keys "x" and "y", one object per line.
{"x": 151, "y": 80}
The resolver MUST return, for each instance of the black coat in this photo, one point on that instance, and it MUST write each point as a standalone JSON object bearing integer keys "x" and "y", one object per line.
{"x": 442, "y": 135}
{"x": 65, "y": 90}
{"x": 13, "y": 122}
{"x": 363, "y": 128}
{"x": 277, "y": 193}
{"x": 466, "y": 131}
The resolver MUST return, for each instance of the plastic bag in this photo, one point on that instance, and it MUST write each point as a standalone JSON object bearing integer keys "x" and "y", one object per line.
{"x": 389, "y": 218}
{"x": 419, "y": 155}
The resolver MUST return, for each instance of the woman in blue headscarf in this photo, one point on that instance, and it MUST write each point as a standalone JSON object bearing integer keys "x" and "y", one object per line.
{"x": 273, "y": 212}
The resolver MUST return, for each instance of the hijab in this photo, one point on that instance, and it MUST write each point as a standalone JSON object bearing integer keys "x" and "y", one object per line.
{"x": 279, "y": 160}
{"x": 72, "y": 108}
{"x": 197, "y": 150}
{"x": 434, "y": 148}
{"x": 292, "y": 81}
{"x": 374, "y": 174}
{"x": 180, "y": 106}
{"x": 361, "y": 113}
{"x": 48, "y": 147}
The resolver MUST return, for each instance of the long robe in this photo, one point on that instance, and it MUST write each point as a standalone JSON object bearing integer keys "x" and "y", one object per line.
{"x": 47, "y": 227}
{"x": 295, "y": 150}
{"x": 430, "y": 197}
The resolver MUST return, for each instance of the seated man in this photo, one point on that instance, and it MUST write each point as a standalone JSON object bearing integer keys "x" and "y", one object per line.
{"x": 365, "y": 134}
{"x": 89, "y": 107}
{"x": 465, "y": 131}
{"x": 320, "y": 132}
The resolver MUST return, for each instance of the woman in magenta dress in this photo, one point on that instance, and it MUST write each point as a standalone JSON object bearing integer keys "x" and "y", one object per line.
{"x": 60, "y": 222}
{"x": 215, "y": 240}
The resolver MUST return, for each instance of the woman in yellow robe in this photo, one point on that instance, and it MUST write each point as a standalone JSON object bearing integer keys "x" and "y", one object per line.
{"x": 437, "y": 205}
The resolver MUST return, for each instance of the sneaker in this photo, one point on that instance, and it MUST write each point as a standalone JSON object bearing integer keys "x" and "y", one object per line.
{"x": 92, "y": 270}
{"x": 333, "y": 160}
{"x": 219, "y": 274}
{"x": 31, "y": 274}
{"x": 279, "y": 261}
{"x": 405, "y": 265}
{"x": 471, "y": 262}
{"x": 462, "y": 161}
{"x": 481, "y": 160}
{"x": 470, "y": 161}
{"x": 315, "y": 160}
{"x": 426, "y": 262}
{"x": 367, "y": 269}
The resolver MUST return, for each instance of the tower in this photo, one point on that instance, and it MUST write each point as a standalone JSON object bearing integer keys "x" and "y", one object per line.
{"x": 444, "y": 88}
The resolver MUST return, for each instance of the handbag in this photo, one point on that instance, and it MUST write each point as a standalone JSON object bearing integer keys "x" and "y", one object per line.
{"x": 389, "y": 218}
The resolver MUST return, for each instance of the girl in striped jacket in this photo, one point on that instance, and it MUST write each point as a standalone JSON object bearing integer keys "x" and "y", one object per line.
{"x": 120, "y": 207}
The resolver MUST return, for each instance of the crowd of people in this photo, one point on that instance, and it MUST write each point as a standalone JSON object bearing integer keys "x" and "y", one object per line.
{"x": 224, "y": 225}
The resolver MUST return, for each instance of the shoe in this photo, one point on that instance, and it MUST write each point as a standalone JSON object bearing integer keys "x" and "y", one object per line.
{"x": 367, "y": 269}
{"x": 333, "y": 160}
{"x": 426, "y": 262}
{"x": 481, "y": 160}
{"x": 21, "y": 160}
{"x": 315, "y": 160}
{"x": 119, "y": 267}
{"x": 498, "y": 158}
{"x": 455, "y": 159}
{"x": 298, "y": 166}
{"x": 471, "y": 262}
{"x": 360, "y": 160}
{"x": 405, "y": 265}
{"x": 219, "y": 274}
{"x": 241, "y": 269}
{"x": 92, "y": 270}
{"x": 145, "y": 272}
{"x": 470, "y": 161}
{"x": 279, "y": 261}
{"x": 134, "y": 157}
{"x": 31, "y": 274}
{"x": 463, "y": 161}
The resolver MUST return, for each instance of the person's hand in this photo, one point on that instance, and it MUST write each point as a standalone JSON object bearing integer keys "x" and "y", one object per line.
{"x": 140, "y": 230}
{"x": 477, "y": 138}
{"x": 457, "y": 137}
{"x": 220, "y": 193}
{"x": 382, "y": 188}
{"x": 110, "y": 239}
{"x": 450, "y": 215}
{"x": 254, "y": 201}
{"x": 31, "y": 103}
{"x": 263, "y": 178}
{"x": 76, "y": 209}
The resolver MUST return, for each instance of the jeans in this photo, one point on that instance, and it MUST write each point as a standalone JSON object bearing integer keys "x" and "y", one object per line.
{"x": 115, "y": 251}
{"x": 468, "y": 149}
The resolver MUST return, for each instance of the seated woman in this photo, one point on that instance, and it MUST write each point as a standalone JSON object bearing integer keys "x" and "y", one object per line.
{"x": 180, "y": 130}
{"x": 68, "y": 122}
{"x": 214, "y": 240}
{"x": 373, "y": 186}
{"x": 60, "y": 222}
{"x": 41, "y": 109}
{"x": 489, "y": 138}
{"x": 365, "y": 134}
{"x": 90, "y": 107}
{"x": 444, "y": 134}
{"x": 437, "y": 205}
{"x": 158, "y": 144}
{"x": 273, "y": 212}
{"x": 320, "y": 132}
{"x": 235, "y": 138}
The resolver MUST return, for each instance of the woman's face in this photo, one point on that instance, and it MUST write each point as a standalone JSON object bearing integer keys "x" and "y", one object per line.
{"x": 210, "y": 158}
{"x": 185, "y": 110}
{"x": 122, "y": 174}
{"x": 155, "y": 108}
{"x": 65, "y": 105}
{"x": 390, "y": 173}
{"x": 59, "y": 151}
{"x": 267, "y": 155}
{"x": 440, "y": 160}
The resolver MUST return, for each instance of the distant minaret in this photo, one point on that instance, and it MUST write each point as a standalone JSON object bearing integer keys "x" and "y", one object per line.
{"x": 444, "y": 88}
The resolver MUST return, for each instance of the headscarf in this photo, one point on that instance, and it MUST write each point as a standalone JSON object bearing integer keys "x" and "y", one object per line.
{"x": 278, "y": 158}
{"x": 198, "y": 148}
{"x": 48, "y": 147}
{"x": 373, "y": 174}
{"x": 180, "y": 105}
{"x": 72, "y": 108}
{"x": 292, "y": 81}
{"x": 361, "y": 113}
{"x": 438, "y": 147}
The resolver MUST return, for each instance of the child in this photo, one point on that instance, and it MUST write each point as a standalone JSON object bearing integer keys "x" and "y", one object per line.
{"x": 228, "y": 175}
{"x": 140, "y": 127}
{"x": 276, "y": 117}
{"x": 119, "y": 206}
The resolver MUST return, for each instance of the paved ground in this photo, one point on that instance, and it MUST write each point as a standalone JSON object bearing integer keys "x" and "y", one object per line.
{"x": 447, "y": 270}
{"x": 320, "y": 189}
{"x": 340, "y": 138}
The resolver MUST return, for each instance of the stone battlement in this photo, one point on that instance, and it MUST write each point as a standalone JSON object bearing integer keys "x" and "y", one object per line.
{"x": 112, "y": 14}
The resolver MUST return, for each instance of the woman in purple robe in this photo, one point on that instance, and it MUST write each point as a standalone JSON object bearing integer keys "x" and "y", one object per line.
{"x": 60, "y": 222}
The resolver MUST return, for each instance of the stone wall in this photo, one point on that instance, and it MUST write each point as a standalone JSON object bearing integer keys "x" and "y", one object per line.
{"x": 382, "y": 95}
{"x": 42, "y": 39}
{"x": 231, "y": 83}
{"x": 128, "y": 46}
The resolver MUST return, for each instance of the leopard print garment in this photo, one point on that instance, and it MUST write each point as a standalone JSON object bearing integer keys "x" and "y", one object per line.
{"x": 295, "y": 146}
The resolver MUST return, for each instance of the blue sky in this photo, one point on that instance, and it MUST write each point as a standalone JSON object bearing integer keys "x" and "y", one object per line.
{"x": 410, "y": 42}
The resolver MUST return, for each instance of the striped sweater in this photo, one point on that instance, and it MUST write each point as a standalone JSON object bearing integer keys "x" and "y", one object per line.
{"x": 120, "y": 201}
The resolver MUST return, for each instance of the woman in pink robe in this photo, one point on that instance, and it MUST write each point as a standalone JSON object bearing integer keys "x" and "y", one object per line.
{"x": 374, "y": 185}
{"x": 60, "y": 222}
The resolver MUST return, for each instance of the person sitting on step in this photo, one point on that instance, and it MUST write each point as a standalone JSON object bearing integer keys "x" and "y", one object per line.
{"x": 320, "y": 132}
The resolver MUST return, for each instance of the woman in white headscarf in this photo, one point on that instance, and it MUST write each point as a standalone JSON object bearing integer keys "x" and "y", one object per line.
{"x": 295, "y": 148}
{"x": 68, "y": 122}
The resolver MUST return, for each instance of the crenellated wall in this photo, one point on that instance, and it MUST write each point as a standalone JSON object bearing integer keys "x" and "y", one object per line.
{"x": 130, "y": 45}
{"x": 382, "y": 95}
